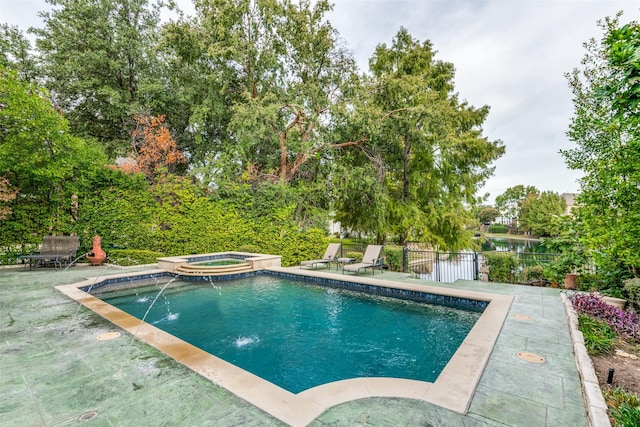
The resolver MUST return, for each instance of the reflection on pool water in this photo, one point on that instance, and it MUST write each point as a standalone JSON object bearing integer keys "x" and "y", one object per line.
{"x": 299, "y": 335}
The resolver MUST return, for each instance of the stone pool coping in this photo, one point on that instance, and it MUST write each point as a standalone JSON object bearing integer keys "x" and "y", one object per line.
{"x": 453, "y": 389}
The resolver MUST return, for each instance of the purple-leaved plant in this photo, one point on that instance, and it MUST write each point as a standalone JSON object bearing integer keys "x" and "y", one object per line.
{"x": 625, "y": 323}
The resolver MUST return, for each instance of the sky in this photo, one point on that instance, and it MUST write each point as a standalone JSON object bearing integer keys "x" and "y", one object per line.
{"x": 511, "y": 55}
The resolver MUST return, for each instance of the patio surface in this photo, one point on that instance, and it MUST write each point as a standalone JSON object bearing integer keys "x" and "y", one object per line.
{"x": 53, "y": 370}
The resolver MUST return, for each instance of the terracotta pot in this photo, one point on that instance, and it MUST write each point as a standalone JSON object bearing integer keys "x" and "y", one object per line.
{"x": 96, "y": 256}
{"x": 571, "y": 281}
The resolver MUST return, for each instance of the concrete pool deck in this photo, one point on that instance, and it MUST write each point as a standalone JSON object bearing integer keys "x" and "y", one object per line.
{"x": 54, "y": 370}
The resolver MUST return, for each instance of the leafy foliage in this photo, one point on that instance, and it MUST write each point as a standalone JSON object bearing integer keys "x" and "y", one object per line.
{"x": 100, "y": 66}
{"x": 157, "y": 151}
{"x": 279, "y": 78}
{"x": 599, "y": 338}
{"x": 128, "y": 257}
{"x": 625, "y": 323}
{"x": 607, "y": 136}
{"x": 9, "y": 254}
{"x": 174, "y": 217}
{"x": 573, "y": 256}
{"x": 503, "y": 267}
{"x": 624, "y": 408}
{"x": 509, "y": 202}
{"x": 498, "y": 229}
{"x": 15, "y": 52}
{"x": 6, "y": 195}
{"x": 393, "y": 257}
{"x": 540, "y": 213}
{"x": 260, "y": 199}
{"x": 488, "y": 214}
{"x": 632, "y": 287}
{"x": 43, "y": 160}
{"x": 425, "y": 156}
{"x": 531, "y": 273}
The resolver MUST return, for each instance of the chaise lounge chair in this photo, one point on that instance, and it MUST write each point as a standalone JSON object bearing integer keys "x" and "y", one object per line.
{"x": 371, "y": 259}
{"x": 328, "y": 257}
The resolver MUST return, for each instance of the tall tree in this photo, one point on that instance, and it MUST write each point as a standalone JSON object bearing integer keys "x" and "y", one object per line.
{"x": 15, "y": 52}
{"x": 487, "y": 214}
{"x": 100, "y": 63}
{"x": 605, "y": 128}
{"x": 509, "y": 202}
{"x": 156, "y": 148}
{"x": 426, "y": 145}
{"x": 40, "y": 157}
{"x": 277, "y": 75}
{"x": 540, "y": 213}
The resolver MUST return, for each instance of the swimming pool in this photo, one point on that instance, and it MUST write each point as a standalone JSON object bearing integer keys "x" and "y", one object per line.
{"x": 299, "y": 335}
{"x": 453, "y": 388}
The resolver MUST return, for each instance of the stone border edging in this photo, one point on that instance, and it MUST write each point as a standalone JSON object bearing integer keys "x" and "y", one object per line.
{"x": 594, "y": 401}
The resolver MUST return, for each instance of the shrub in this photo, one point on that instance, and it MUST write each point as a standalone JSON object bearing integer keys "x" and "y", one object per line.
{"x": 498, "y": 229}
{"x": 249, "y": 248}
{"x": 127, "y": 257}
{"x": 553, "y": 272}
{"x": 599, "y": 337}
{"x": 624, "y": 407}
{"x": 590, "y": 282}
{"x": 356, "y": 255}
{"x": 532, "y": 273}
{"x": 503, "y": 266}
{"x": 393, "y": 257}
{"x": 625, "y": 323}
{"x": 632, "y": 286}
{"x": 9, "y": 254}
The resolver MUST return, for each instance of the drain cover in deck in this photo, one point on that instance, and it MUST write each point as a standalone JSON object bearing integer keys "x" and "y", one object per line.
{"x": 530, "y": 357}
{"x": 522, "y": 317}
{"x": 87, "y": 416}
{"x": 108, "y": 336}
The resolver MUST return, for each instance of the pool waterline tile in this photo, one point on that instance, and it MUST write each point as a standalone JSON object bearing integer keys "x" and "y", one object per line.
{"x": 452, "y": 390}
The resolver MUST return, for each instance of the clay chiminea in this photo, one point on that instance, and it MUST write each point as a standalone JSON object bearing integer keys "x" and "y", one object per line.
{"x": 96, "y": 256}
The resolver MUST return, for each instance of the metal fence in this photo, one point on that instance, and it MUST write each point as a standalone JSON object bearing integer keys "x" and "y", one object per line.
{"x": 442, "y": 266}
{"x": 528, "y": 259}
{"x": 451, "y": 266}
{"x": 350, "y": 248}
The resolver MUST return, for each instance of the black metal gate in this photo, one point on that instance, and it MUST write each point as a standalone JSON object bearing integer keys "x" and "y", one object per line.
{"x": 442, "y": 266}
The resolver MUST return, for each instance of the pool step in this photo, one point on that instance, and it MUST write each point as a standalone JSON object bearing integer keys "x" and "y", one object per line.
{"x": 215, "y": 270}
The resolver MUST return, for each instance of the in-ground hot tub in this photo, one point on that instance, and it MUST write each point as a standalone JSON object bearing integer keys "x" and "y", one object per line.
{"x": 219, "y": 263}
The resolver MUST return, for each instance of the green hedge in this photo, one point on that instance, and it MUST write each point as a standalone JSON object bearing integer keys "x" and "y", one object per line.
{"x": 393, "y": 257}
{"x": 127, "y": 257}
{"x": 9, "y": 254}
{"x": 498, "y": 229}
{"x": 175, "y": 217}
{"x": 503, "y": 267}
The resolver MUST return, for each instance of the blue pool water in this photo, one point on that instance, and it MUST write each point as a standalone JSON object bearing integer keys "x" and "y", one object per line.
{"x": 299, "y": 335}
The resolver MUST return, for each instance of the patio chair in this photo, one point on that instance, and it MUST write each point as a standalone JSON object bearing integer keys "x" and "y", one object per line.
{"x": 371, "y": 259}
{"x": 329, "y": 256}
